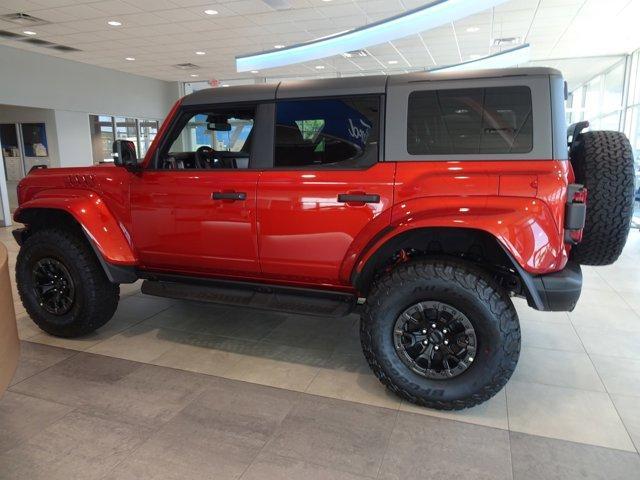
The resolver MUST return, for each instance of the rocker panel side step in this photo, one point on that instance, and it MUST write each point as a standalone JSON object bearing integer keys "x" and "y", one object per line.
{"x": 253, "y": 295}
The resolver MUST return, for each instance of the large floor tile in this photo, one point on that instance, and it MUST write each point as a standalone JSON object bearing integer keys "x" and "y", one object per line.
{"x": 629, "y": 411}
{"x": 605, "y": 318}
{"x": 76, "y": 446}
{"x": 21, "y": 417}
{"x": 620, "y": 376}
{"x": 279, "y": 366}
{"x": 492, "y": 413}
{"x": 311, "y": 332}
{"x": 26, "y": 328}
{"x": 116, "y": 389}
{"x": 216, "y": 436}
{"x": 426, "y": 447}
{"x": 550, "y": 335}
{"x": 270, "y": 466}
{"x": 217, "y": 320}
{"x": 335, "y": 434}
{"x": 556, "y": 367}
{"x": 537, "y": 458}
{"x": 141, "y": 343}
{"x": 601, "y": 296}
{"x": 208, "y": 355}
{"x": 565, "y": 413}
{"x": 35, "y": 358}
{"x": 616, "y": 343}
{"x": 349, "y": 377}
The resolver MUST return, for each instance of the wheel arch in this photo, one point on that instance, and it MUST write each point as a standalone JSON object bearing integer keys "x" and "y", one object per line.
{"x": 96, "y": 225}
{"x": 474, "y": 245}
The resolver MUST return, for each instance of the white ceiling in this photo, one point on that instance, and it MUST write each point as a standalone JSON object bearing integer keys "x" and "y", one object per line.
{"x": 161, "y": 33}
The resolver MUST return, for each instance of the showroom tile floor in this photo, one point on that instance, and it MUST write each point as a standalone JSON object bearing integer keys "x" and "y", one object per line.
{"x": 173, "y": 389}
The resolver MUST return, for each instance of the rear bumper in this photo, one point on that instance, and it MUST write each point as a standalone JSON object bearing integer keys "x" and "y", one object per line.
{"x": 555, "y": 292}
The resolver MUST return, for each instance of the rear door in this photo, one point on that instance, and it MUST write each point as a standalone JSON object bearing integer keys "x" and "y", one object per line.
{"x": 326, "y": 187}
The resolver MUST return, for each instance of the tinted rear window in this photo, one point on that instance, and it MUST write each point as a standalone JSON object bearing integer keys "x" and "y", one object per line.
{"x": 470, "y": 121}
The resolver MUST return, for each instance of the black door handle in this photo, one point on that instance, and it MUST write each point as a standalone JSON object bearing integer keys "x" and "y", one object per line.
{"x": 358, "y": 198}
{"x": 233, "y": 196}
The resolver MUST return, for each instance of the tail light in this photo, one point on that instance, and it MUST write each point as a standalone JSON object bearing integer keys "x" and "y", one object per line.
{"x": 575, "y": 213}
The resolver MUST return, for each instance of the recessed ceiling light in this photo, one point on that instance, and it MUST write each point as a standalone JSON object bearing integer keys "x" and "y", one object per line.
{"x": 29, "y": 32}
{"x": 255, "y": 71}
{"x": 130, "y": 59}
{"x": 194, "y": 75}
{"x": 201, "y": 53}
{"x": 114, "y": 23}
{"x": 392, "y": 62}
{"x": 473, "y": 29}
{"x": 319, "y": 67}
{"x": 211, "y": 12}
{"x": 278, "y": 46}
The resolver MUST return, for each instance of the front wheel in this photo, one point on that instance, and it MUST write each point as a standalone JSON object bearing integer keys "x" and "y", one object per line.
{"x": 62, "y": 285}
{"x": 440, "y": 333}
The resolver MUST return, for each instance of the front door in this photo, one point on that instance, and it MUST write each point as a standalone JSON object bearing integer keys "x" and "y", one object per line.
{"x": 194, "y": 209}
{"x": 326, "y": 187}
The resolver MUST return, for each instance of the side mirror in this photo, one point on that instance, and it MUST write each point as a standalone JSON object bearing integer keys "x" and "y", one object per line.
{"x": 124, "y": 154}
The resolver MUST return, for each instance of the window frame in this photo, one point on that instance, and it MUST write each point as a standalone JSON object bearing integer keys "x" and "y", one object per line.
{"x": 398, "y": 114}
{"x": 262, "y": 131}
{"x": 331, "y": 167}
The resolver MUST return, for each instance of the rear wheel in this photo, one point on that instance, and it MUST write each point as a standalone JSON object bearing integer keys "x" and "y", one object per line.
{"x": 440, "y": 333}
{"x": 62, "y": 285}
{"x": 603, "y": 162}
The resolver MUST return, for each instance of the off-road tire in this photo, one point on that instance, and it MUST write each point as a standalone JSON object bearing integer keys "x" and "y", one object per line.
{"x": 95, "y": 299}
{"x": 603, "y": 162}
{"x": 470, "y": 290}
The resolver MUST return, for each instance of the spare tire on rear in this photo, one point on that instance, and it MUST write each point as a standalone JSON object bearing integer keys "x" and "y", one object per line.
{"x": 603, "y": 162}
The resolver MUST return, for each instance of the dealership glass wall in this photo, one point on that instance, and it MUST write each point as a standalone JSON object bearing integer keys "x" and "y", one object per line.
{"x": 105, "y": 129}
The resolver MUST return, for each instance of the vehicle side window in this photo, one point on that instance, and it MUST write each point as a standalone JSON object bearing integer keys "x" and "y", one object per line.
{"x": 327, "y": 133}
{"x": 217, "y": 138}
{"x": 470, "y": 121}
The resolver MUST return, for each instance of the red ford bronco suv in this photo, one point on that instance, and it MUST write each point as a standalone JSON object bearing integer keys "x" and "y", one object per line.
{"x": 424, "y": 200}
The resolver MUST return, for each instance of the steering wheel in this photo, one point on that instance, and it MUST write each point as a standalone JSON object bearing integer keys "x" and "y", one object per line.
{"x": 203, "y": 157}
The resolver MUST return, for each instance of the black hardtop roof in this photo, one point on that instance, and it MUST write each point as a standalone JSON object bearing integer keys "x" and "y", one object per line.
{"x": 346, "y": 85}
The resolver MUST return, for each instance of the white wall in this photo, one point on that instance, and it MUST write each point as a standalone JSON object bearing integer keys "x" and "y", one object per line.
{"x": 33, "y": 80}
{"x": 74, "y": 138}
{"x": 62, "y": 93}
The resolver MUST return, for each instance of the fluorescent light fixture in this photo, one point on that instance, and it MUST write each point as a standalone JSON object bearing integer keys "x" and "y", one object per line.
{"x": 225, "y": 85}
{"x": 211, "y": 12}
{"x": 201, "y": 53}
{"x": 435, "y": 14}
{"x": 473, "y": 29}
{"x": 278, "y": 46}
{"x": 114, "y": 23}
{"x": 255, "y": 71}
{"x": 130, "y": 59}
{"x": 504, "y": 59}
{"x": 194, "y": 75}
{"x": 392, "y": 62}
{"x": 29, "y": 32}
{"x": 319, "y": 67}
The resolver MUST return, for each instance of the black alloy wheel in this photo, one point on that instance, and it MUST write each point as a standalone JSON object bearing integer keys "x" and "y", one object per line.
{"x": 435, "y": 340}
{"x": 53, "y": 286}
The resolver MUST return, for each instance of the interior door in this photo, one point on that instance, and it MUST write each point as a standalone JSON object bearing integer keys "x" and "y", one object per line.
{"x": 326, "y": 189}
{"x": 194, "y": 209}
